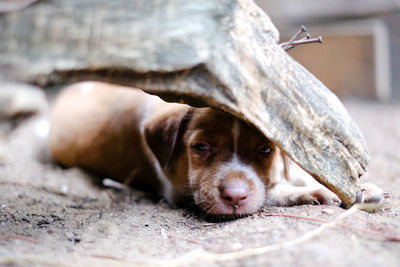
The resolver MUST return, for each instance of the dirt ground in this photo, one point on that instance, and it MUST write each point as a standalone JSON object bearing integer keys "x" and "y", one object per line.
{"x": 59, "y": 217}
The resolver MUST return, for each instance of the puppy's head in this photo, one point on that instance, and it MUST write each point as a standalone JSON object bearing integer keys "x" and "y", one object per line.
{"x": 229, "y": 163}
{"x": 223, "y": 163}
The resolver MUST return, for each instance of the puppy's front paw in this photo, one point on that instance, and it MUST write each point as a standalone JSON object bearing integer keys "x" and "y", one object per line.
{"x": 370, "y": 193}
{"x": 288, "y": 195}
{"x": 321, "y": 196}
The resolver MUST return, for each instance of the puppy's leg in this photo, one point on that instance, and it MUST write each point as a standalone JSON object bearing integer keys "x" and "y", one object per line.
{"x": 297, "y": 187}
{"x": 289, "y": 195}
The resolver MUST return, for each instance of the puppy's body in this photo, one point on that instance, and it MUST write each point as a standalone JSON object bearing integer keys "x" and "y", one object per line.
{"x": 101, "y": 128}
{"x": 220, "y": 162}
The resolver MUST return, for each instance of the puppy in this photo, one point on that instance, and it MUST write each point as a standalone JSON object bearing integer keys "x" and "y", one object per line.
{"x": 184, "y": 154}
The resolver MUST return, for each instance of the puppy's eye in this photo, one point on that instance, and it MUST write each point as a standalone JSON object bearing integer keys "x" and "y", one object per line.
{"x": 201, "y": 147}
{"x": 264, "y": 151}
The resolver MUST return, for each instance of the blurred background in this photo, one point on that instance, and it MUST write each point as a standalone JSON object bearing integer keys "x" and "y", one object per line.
{"x": 360, "y": 54}
{"x": 56, "y": 212}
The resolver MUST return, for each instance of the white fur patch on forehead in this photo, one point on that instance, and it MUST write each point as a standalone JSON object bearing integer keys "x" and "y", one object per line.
{"x": 236, "y": 166}
{"x": 235, "y": 134}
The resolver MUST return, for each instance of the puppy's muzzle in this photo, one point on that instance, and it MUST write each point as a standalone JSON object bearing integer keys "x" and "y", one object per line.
{"x": 234, "y": 193}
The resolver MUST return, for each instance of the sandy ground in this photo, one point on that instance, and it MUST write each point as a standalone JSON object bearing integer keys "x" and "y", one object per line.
{"x": 59, "y": 217}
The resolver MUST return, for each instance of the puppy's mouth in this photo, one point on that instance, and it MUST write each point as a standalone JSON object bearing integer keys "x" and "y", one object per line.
{"x": 236, "y": 210}
{"x": 223, "y": 213}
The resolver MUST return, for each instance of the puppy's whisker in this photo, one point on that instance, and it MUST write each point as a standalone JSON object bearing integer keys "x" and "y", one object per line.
{"x": 211, "y": 208}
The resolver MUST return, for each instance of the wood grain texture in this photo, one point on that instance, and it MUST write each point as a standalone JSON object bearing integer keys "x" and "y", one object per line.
{"x": 218, "y": 53}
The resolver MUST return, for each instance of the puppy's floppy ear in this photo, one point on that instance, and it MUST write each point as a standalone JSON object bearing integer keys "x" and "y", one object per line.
{"x": 164, "y": 134}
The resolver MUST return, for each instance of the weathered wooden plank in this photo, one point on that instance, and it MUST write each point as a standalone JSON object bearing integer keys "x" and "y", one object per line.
{"x": 218, "y": 53}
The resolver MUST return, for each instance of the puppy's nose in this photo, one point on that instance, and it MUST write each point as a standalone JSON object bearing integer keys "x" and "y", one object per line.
{"x": 234, "y": 193}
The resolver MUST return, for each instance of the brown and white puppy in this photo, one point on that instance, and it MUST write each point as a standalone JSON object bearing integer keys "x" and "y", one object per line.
{"x": 226, "y": 166}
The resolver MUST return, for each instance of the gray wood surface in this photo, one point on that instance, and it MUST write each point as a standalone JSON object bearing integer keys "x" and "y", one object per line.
{"x": 218, "y": 53}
